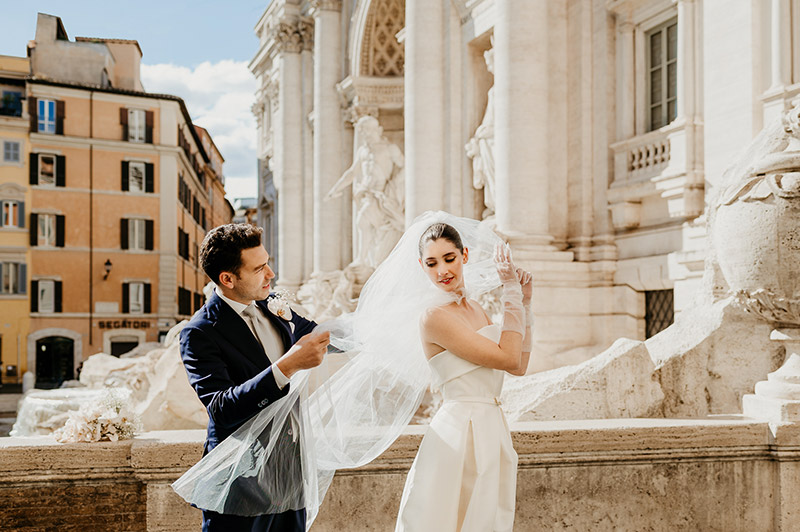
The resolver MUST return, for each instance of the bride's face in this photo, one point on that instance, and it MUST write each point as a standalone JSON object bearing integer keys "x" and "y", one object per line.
{"x": 443, "y": 263}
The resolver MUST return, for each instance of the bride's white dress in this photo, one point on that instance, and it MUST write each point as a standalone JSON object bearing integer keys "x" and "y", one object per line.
{"x": 465, "y": 474}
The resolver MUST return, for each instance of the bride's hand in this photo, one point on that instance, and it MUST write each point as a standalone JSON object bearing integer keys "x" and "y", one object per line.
{"x": 526, "y": 280}
{"x": 505, "y": 268}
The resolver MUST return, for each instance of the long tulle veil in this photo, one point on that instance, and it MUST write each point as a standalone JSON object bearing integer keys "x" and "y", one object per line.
{"x": 350, "y": 409}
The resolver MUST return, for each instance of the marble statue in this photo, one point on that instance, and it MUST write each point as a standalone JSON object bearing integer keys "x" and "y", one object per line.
{"x": 377, "y": 178}
{"x": 480, "y": 147}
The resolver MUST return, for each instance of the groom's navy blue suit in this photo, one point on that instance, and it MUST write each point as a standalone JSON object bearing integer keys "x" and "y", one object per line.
{"x": 231, "y": 374}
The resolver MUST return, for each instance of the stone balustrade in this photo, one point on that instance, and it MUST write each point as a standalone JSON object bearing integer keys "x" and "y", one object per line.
{"x": 642, "y": 156}
{"x": 660, "y": 166}
{"x": 624, "y": 474}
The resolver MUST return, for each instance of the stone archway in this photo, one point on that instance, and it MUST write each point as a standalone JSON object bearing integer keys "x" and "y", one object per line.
{"x": 55, "y": 332}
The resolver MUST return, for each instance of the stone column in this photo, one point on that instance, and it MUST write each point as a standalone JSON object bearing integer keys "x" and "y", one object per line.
{"x": 288, "y": 152}
{"x": 686, "y": 46}
{"x": 328, "y": 126}
{"x": 628, "y": 81}
{"x": 780, "y": 44}
{"x": 521, "y": 139}
{"x": 424, "y": 106}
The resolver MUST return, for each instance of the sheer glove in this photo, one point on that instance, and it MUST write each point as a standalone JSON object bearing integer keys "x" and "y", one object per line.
{"x": 511, "y": 299}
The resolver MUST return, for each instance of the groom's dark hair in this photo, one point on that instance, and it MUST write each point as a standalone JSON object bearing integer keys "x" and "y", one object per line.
{"x": 221, "y": 250}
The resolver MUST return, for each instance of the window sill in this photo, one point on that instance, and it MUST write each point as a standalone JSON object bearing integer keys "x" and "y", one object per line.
{"x": 20, "y": 297}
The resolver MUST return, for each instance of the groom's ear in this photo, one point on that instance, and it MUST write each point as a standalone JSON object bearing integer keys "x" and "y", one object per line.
{"x": 226, "y": 279}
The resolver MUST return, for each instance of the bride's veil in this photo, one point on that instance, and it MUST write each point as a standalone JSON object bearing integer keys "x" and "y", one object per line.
{"x": 350, "y": 409}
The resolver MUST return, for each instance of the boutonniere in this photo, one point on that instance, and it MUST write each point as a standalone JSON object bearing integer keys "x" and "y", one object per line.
{"x": 278, "y": 304}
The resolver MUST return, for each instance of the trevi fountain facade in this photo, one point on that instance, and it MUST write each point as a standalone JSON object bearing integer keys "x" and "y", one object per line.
{"x": 642, "y": 159}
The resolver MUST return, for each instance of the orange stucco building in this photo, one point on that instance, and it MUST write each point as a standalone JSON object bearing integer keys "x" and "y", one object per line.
{"x": 122, "y": 188}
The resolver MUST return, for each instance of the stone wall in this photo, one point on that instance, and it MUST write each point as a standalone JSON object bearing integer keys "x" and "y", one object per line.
{"x": 731, "y": 474}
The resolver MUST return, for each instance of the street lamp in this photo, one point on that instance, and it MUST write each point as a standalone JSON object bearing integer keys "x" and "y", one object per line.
{"x": 107, "y": 267}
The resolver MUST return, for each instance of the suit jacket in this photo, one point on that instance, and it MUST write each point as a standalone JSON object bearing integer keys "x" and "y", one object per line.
{"x": 227, "y": 366}
{"x": 230, "y": 372}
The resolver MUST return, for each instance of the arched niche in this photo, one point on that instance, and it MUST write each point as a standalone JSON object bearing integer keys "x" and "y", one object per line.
{"x": 374, "y": 50}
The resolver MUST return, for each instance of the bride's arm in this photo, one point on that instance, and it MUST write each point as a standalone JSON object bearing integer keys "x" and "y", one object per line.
{"x": 442, "y": 328}
{"x": 526, "y": 281}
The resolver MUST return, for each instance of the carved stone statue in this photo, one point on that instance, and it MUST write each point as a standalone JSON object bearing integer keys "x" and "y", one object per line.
{"x": 377, "y": 178}
{"x": 480, "y": 147}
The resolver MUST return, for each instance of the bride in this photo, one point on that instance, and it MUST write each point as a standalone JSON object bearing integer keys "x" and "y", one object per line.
{"x": 351, "y": 408}
{"x": 464, "y": 475}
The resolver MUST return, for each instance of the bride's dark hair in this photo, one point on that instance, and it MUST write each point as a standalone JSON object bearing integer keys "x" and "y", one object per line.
{"x": 437, "y": 231}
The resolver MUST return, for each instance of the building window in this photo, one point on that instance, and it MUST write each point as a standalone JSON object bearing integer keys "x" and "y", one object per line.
{"x": 47, "y": 169}
{"x": 48, "y": 296}
{"x": 47, "y": 229}
{"x": 184, "y": 301}
{"x": 183, "y": 244}
{"x": 136, "y": 125}
{"x": 11, "y": 151}
{"x": 136, "y": 234}
{"x": 136, "y": 177}
{"x": 662, "y": 71}
{"x": 12, "y": 278}
{"x": 11, "y": 104}
{"x": 136, "y": 298}
{"x": 12, "y": 214}
{"x": 659, "y": 311}
{"x": 47, "y": 116}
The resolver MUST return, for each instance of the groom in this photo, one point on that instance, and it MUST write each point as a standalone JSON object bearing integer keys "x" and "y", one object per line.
{"x": 239, "y": 355}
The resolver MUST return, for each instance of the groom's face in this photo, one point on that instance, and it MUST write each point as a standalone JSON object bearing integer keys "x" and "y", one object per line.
{"x": 253, "y": 280}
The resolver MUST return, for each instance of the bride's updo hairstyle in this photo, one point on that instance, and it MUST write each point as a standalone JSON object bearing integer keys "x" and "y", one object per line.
{"x": 437, "y": 231}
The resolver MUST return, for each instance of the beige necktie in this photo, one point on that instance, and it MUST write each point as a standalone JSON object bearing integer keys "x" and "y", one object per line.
{"x": 268, "y": 338}
{"x": 260, "y": 328}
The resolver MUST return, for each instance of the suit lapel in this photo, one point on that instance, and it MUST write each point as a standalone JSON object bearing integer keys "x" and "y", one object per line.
{"x": 235, "y": 330}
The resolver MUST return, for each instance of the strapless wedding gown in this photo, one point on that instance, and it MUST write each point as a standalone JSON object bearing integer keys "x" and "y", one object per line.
{"x": 464, "y": 476}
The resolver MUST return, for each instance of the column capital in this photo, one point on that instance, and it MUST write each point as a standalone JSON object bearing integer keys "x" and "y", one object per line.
{"x": 325, "y": 5}
{"x": 305, "y": 27}
{"x": 287, "y": 37}
{"x": 293, "y": 36}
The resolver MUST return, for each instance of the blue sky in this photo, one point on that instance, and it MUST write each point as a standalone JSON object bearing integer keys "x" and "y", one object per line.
{"x": 197, "y": 50}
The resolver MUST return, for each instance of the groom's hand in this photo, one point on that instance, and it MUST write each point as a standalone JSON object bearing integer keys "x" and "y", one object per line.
{"x": 306, "y": 353}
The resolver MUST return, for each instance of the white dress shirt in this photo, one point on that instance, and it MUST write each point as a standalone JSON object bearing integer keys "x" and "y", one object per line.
{"x": 274, "y": 347}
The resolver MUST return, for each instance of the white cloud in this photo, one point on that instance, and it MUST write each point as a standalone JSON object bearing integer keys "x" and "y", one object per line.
{"x": 218, "y": 97}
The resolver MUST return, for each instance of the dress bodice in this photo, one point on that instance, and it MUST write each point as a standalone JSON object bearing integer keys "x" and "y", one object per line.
{"x": 458, "y": 378}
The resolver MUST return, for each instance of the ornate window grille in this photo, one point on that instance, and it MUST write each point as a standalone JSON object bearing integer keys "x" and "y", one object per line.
{"x": 659, "y": 311}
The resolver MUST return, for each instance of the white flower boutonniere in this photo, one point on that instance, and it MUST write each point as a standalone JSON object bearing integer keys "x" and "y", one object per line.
{"x": 279, "y": 305}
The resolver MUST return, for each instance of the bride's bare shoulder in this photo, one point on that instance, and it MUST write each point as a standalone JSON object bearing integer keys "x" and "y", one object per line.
{"x": 436, "y": 318}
